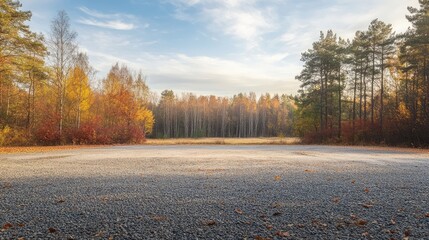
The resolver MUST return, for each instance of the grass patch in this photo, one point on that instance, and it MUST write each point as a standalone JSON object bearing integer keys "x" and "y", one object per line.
{"x": 223, "y": 141}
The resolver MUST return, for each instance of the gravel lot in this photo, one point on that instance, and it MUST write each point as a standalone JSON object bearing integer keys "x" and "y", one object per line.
{"x": 215, "y": 192}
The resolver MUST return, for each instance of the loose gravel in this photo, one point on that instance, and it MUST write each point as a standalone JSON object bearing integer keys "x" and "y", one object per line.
{"x": 215, "y": 192}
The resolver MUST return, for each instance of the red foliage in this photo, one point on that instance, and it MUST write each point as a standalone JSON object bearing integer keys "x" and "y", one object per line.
{"x": 94, "y": 132}
{"x": 86, "y": 134}
{"x": 395, "y": 132}
{"x": 47, "y": 132}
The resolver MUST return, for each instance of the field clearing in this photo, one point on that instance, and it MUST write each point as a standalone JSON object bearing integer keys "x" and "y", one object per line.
{"x": 224, "y": 141}
{"x": 175, "y": 141}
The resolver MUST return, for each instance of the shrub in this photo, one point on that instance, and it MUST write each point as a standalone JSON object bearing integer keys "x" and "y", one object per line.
{"x": 13, "y": 137}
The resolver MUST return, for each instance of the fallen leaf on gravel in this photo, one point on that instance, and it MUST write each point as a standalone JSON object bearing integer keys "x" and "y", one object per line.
{"x": 239, "y": 211}
{"x": 21, "y": 225}
{"x": 361, "y": 222}
{"x": 366, "y": 190}
{"x": 282, "y": 234}
{"x": 269, "y": 227}
{"x": 277, "y": 178}
{"x": 353, "y": 181}
{"x": 427, "y": 215}
{"x": 52, "y": 230}
{"x": 336, "y": 199}
{"x": 7, "y": 185}
{"x": 392, "y": 221}
{"x": 340, "y": 225}
{"x": 261, "y": 238}
{"x": 99, "y": 234}
{"x": 343, "y": 223}
{"x": 407, "y": 232}
{"x": 367, "y": 205}
{"x": 6, "y": 226}
{"x": 277, "y": 214}
{"x": 209, "y": 222}
{"x": 276, "y": 204}
{"x": 319, "y": 223}
{"x": 111, "y": 238}
{"x": 21, "y": 238}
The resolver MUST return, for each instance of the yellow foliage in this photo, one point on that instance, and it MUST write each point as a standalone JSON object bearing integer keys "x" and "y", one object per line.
{"x": 78, "y": 91}
{"x": 3, "y": 135}
{"x": 403, "y": 110}
{"x": 145, "y": 117}
{"x": 10, "y": 137}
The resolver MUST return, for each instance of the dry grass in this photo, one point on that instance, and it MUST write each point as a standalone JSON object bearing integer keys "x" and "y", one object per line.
{"x": 40, "y": 149}
{"x": 224, "y": 141}
{"x": 177, "y": 141}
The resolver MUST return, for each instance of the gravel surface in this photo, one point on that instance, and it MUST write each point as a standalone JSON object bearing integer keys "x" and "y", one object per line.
{"x": 215, "y": 192}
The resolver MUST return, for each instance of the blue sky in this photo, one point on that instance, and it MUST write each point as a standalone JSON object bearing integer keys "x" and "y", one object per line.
{"x": 219, "y": 47}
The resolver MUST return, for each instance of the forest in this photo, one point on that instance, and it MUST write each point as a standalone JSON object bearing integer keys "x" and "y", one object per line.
{"x": 372, "y": 89}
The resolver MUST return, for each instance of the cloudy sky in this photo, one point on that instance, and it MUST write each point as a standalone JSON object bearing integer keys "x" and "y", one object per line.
{"x": 217, "y": 47}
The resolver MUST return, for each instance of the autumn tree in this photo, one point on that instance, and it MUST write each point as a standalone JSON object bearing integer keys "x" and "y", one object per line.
{"x": 62, "y": 52}
{"x": 124, "y": 117}
{"x": 21, "y": 70}
{"x": 78, "y": 90}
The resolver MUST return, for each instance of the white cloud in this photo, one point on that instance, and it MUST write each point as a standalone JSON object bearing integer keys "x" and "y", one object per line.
{"x": 116, "y": 21}
{"x": 97, "y": 14}
{"x": 243, "y": 20}
{"x": 112, "y": 24}
{"x": 206, "y": 75}
{"x": 247, "y": 25}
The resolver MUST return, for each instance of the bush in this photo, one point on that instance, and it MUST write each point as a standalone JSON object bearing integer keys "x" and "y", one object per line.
{"x": 13, "y": 137}
{"x": 86, "y": 134}
{"x": 48, "y": 135}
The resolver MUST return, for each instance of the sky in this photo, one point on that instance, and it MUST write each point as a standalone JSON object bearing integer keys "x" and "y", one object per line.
{"x": 219, "y": 47}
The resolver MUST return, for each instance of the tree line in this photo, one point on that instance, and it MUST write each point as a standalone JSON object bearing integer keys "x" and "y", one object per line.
{"x": 371, "y": 89}
{"x": 241, "y": 116}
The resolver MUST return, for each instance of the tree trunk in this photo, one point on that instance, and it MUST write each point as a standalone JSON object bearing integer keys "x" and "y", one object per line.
{"x": 372, "y": 89}
{"x": 339, "y": 102}
{"x": 382, "y": 93}
{"x": 354, "y": 106}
